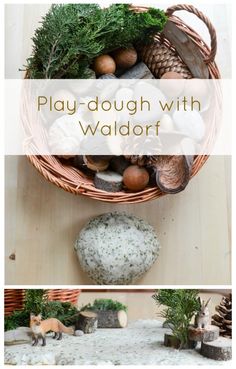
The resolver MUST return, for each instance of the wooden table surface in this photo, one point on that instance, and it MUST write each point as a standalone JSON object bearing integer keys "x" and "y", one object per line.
{"x": 42, "y": 221}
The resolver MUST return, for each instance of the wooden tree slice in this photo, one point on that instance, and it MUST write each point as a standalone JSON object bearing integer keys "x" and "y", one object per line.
{"x": 207, "y": 334}
{"x": 139, "y": 71}
{"x": 86, "y": 322}
{"x": 112, "y": 319}
{"x": 220, "y": 349}
{"x": 187, "y": 50}
{"x": 172, "y": 341}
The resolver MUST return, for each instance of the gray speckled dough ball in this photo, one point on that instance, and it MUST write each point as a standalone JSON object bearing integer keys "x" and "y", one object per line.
{"x": 117, "y": 248}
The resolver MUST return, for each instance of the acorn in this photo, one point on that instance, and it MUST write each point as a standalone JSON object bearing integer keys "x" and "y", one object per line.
{"x": 135, "y": 178}
{"x": 170, "y": 88}
{"x": 104, "y": 64}
{"x": 125, "y": 58}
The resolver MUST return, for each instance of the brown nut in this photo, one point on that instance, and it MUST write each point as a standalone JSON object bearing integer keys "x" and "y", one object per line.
{"x": 135, "y": 178}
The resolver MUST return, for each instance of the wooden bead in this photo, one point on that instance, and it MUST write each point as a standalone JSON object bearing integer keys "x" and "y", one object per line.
{"x": 172, "y": 75}
{"x": 135, "y": 178}
{"x": 171, "y": 88}
{"x": 125, "y": 58}
{"x": 104, "y": 64}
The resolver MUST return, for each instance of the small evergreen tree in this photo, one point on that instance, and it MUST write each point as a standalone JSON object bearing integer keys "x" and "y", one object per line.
{"x": 180, "y": 307}
{"x": 35, "y": 300}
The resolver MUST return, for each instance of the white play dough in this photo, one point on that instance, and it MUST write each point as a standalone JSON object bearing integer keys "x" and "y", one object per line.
{"x": 117, "y": 248}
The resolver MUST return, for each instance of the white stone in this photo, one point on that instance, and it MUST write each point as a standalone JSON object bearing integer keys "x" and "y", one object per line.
{"x": 65, "y": 135}
{"x": 148, "y": 92}
{"x": 190, "y": 123}
{"x": 117, "y": 248}
{"x": 17, "y": 336}
{"x": 167, "y": 123}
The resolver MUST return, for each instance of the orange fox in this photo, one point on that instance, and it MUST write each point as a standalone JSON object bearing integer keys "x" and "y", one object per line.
{"x": 40, "y": 327}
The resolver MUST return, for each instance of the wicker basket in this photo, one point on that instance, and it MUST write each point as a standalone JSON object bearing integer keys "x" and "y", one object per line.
{"x": 14, "y": 298}
{"x": 75, "y": 181}
{"x": 70, "y": 295}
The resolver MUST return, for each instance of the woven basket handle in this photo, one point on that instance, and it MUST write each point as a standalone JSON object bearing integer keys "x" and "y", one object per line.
{"x": 200, "y": 15}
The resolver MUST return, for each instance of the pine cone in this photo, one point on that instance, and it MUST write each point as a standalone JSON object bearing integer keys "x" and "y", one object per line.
{"x": 161, "y": 59}
{"x": 142, "y": 160}
{"x": 223, "y": 317}
{"x": 138, "y": 144}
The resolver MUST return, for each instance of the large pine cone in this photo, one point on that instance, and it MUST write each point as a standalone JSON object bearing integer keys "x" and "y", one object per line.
{"x": 223, "y": 317}
{"x": 161, "y": 59}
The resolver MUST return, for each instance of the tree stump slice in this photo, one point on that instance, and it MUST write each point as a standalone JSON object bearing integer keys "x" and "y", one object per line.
{"x": 172, "y": 341}
{"x": 220, "y": 349}
{"x": 139, "y": 71}
{"x": 86, "y": 322}
{"x": 208, "y": 334}
{"x": 112, "y": 319}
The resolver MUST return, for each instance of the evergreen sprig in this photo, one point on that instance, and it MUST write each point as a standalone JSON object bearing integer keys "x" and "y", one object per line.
{"x": 105, "y": 304}
{"x": 71, "y": 35}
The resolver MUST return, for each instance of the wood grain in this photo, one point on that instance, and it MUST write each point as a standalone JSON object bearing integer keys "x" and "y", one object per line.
{"x": 42, "y": 223}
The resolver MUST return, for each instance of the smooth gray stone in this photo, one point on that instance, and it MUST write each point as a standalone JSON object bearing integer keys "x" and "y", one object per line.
{"x": 17, "y": 336}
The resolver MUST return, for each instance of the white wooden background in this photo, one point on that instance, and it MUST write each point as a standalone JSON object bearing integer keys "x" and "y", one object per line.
{"x": 42, "y": 221}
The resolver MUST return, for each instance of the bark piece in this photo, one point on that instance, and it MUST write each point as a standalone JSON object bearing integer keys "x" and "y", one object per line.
{"x": 187, "y": 50}
{"x": 112, "y": 319}
{"x": 86, "y": 322}
{"x": 207, "y": 334}
{"x": 108, "y": 181}
{"x": 173, "y": 172}
{"x": 220, "y": 349}
{"x": 139, "y": 71}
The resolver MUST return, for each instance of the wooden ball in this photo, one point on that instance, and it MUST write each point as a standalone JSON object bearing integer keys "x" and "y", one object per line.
{"x": 104, "y": 64}
{"x": 169, "y": 88}
{"x": 125, "y": 58}
{"x": 135, "y": 178}
{"x": 171, "y": 75}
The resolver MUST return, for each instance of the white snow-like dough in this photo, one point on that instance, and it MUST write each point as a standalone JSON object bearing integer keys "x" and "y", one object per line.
{"x": 117, "y": 248}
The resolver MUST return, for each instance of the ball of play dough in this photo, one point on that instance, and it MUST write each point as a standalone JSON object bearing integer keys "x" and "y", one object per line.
{"x": 117, "y": 248}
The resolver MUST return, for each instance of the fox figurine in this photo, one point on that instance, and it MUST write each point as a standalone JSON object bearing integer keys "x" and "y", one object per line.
{"x": 40, "y": 327}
